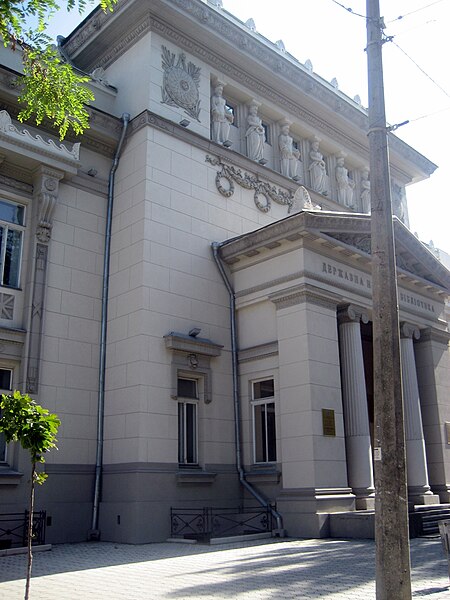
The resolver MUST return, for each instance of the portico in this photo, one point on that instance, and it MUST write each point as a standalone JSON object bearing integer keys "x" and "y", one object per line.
{"x": 306, "y": 282}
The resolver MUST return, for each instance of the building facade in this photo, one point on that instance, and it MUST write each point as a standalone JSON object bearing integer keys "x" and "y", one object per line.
{"x": 243, "y": 180}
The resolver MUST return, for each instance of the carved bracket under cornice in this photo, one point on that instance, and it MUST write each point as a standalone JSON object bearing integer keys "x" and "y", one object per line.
{"x": 46, "y": 186}
{"x": 262, "y": 189}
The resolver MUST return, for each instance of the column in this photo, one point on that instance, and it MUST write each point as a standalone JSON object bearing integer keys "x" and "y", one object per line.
{"x": 416, "y": 461}
{"x": 356, "y": 417}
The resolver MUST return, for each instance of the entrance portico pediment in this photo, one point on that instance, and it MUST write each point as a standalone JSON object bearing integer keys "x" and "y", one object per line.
{"x": 349, "y": 235}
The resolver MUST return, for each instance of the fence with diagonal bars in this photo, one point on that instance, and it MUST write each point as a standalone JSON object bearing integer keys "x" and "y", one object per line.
{"x": 14, "y": 529}
{"x": 206, "y": 523}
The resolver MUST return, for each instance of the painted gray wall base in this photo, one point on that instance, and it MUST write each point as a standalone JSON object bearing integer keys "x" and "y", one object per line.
{"x": 139, "y": 502}
{"x": 359, "y": 524}
{"x": 67, "y": 498}
{"x": 305, "y": 512}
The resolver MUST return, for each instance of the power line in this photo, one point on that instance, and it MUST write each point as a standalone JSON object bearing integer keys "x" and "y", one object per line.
{"x": 436, "y": 112}
{"x": 421, "y": 70}
{"x": 400, "y": 17}
{"x": 348, "y": 9}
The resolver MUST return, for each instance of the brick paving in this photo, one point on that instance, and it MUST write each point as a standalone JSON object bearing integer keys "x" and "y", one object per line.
{"x": 286, "y": 569}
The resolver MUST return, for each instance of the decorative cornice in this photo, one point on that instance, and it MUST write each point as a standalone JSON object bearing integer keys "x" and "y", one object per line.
{"x": 269, "y": 284}
{"x": 258, "y": 352}
{"x": 101, "y": 137}
{"x": 239, "y": 38}
{"x": 186, "y": 343}
{"x": 90, "y": 28}
{"x": 22, "y": 138}
{"x": 20, "y": 186}
{"x": 434, "y": 335}
{"x": 285, "y": 67}
{"x": 288, "y": 71}
{"x": 12, "y": 335}
{"x": 422, "y": 265}
{"x": 304, "y": 293}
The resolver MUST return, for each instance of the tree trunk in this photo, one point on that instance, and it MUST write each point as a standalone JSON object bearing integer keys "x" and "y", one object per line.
{"x": 30, "y": 531}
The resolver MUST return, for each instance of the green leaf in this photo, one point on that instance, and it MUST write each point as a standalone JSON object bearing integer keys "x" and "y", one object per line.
{"x": 24, "y": 421}
{"x": 51, "y": 88}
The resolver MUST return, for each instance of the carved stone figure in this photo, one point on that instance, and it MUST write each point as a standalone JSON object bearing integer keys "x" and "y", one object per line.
{"x": 318, "y": 169}
{"x": 221, "y": 118}
{"x": 255, "y": 134}
{"x": 398, "y": 202}
{"x": 289, "y": 156}
{"x": 345, "y": 185}
{"x": 365, "y": 191}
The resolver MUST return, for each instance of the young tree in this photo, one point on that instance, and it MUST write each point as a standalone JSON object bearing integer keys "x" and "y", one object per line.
{"x": 24, "y": 421}
{"x": 50, "y": 88}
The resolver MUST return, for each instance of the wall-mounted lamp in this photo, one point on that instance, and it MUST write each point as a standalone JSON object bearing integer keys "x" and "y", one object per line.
{"x": 227, "y": 143}
{"x": 194, "y": 332}
{"x": 184, "y": 122}
{"x": 262, "y": 161}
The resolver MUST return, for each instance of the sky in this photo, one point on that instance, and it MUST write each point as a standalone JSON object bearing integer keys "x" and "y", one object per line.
{"x": 416, "y": 76}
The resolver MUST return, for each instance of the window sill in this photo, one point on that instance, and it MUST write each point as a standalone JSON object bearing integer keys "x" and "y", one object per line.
{"x": 9, "y": 476}
{"x": 195, "y": 476}
{"x": 264, "y": 474}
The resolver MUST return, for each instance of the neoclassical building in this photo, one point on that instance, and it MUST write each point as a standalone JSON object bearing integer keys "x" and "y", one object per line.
{"x": 216, "y": 351}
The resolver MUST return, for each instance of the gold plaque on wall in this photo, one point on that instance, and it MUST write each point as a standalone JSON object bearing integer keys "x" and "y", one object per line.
{"x": 328, "y": 422}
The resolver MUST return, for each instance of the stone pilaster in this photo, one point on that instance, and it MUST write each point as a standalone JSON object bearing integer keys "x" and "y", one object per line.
{"x": 356, "y": 417}
{"x": 46, "y": 187}
{"x": 417, "y": 473}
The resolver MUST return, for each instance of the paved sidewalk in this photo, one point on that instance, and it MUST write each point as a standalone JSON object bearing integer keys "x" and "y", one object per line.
{"x": 284, "y": 569}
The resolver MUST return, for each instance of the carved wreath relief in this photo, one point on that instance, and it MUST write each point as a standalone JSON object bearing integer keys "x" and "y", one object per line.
{"x": 264, "y": 194}
{"x": 180, "y": 83}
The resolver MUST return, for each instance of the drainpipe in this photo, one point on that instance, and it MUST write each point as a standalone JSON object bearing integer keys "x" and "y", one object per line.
{"x": 94, "y": 532}
{"x": 236, "y": 399}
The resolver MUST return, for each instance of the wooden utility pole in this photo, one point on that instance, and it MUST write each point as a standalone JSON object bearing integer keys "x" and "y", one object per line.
{"x": 393, "y": 570}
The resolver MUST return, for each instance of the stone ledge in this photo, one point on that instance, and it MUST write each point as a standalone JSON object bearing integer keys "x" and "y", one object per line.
{"x": 199, "y": 477}
{"x": 24, "y": 550}
{"x": 263, "y": 476}
{"x": 9, "y": 476}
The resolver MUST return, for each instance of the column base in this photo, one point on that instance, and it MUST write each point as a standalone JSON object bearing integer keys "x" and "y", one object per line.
{"x": 365, "y": 503}
{"x": 421, "y": 495}
{"x": 365, "y": 498}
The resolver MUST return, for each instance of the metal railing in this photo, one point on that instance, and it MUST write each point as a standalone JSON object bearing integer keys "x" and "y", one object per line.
{"x": 14, "y": 529}
{"x": 207, "y": 522}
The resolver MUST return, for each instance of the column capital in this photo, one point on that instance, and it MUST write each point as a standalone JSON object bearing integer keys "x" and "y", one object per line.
{"x": 408, "y": 330}
{"x": 351, "y": 313}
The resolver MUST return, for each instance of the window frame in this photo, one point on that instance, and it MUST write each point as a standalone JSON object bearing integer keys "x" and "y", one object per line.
{"x": 182, "y": 402}
{"x": 10, "y": 226}
{"x": 267, "y": 132}
{"x": 266, "y": 401}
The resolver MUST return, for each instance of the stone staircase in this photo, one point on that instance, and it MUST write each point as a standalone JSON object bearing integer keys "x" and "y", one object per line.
{"x": 423, "y": 520}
